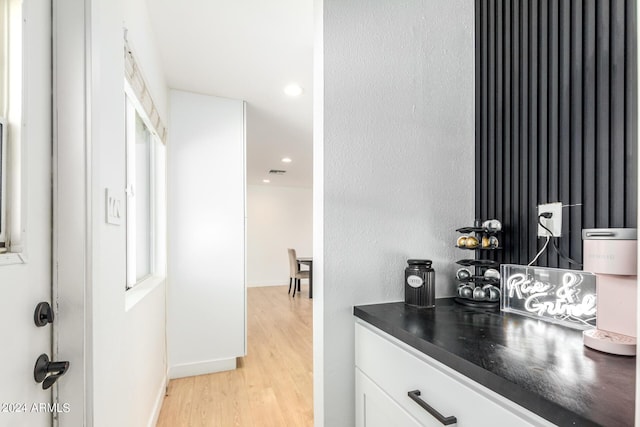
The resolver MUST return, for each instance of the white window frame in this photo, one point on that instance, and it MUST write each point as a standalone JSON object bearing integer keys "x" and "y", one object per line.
{"x": 157, "y": 178}
{"x": 3, "y": 184}
{"x": 11, "y": 110}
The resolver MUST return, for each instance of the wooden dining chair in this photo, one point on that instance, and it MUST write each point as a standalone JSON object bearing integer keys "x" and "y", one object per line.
{"x": 295, "y": 274}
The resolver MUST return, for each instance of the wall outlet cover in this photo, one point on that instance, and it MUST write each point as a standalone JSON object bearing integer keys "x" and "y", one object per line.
{"x": 554, "y": 223}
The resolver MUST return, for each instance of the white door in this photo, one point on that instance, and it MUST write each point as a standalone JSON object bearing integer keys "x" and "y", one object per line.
{"x": 25, "y": 276}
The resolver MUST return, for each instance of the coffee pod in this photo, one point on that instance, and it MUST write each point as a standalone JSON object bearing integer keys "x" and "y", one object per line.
{"x": 462, "y": 240}
{"x": 465, "y": 291}
{"x": 463, "y": 273}
{"x": 493, "y": 294}
{"x": 486, "y": 242}
{"x": 492, "y": 225}
{"x": 494, "y": 242}
{"x": 492, "y": 273}
{"x": 479, "y": 294}
{"x": 472, "y": 242}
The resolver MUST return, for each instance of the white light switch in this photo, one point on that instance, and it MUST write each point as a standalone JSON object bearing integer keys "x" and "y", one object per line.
{"x": 114, "y": 208}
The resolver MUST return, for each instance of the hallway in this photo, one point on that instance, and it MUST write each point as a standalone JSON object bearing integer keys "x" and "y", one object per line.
{"x": 273, "y": 385}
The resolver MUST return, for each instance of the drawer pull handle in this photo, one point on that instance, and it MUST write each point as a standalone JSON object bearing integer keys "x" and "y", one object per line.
{"x": 415, "y": 396}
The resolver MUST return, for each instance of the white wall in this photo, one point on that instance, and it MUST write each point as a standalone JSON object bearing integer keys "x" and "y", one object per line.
{"x": 144, "y": 330}
{"x": 143, "y": 43}
{"x": 106, "y": 310}
{"x": 394, "y": 161}
{"x": 206, "y": 223}
{"x": 277, "y": 218}
{"x": 126, "y": 352}
{"x": 145, "y": 361}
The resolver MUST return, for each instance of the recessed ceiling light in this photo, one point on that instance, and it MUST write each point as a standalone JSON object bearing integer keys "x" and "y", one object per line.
{"x": 286, "y": 160}
{"x": 266, "y": 181}
{"x": 293, "y": 89}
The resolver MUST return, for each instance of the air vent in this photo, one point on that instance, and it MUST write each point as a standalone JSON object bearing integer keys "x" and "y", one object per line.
{"x": 277, "y": 172}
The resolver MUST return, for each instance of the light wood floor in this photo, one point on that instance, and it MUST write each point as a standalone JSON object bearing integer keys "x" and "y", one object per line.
{"x": 273, "y": 385}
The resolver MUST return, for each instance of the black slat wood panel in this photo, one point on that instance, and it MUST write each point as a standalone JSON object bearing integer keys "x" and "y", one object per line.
{"x": 630, "y": 109}
{"x": 555, "y": 119}
{"x": 563, "y": 143}
{"x": 534, "y": 142}
{"x": 603, "y": 143}
{"x": 616, "y": 114}
{"x": 490, "y": 163}
{"x": 589, "y": 115}
{"x": 522, "y": 224}
{"x": 576, "y": 130}
{"x": 484, "y": 83}
{"x": 507, "y": 159}
{"x": 479, "y": 104}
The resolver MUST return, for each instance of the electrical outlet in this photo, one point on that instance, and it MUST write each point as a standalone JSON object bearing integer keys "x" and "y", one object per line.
{"x": 554, "y": 223}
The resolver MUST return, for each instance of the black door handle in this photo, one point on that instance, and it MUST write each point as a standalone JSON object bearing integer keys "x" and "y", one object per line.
{"x": 415, "y": 396}
{"x": 47, "y": 372}
{"x": 43, "y": 314}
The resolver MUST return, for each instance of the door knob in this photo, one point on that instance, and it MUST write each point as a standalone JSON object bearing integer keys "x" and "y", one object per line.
{"x": 43, "y": 314}
{"x": 48, "y": 372}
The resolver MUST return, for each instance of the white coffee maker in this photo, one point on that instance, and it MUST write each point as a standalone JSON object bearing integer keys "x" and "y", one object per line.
{"x": 611, "y": 254}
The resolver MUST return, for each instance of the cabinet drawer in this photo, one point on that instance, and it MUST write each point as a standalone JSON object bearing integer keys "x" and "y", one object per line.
{"x": 376, "y": 409}
{"x": 398, "y": 369}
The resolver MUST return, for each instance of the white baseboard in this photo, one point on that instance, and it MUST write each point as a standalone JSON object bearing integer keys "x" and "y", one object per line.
{"x": 202, "y": 368}
{"x": 155, "y": 415}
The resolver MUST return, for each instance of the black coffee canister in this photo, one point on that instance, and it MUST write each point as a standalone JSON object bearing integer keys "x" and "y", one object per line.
{"x": 420, "y": 283}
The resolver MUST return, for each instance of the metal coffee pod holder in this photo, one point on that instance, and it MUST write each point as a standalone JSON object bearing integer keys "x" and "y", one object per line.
{"x": 479, "y": 278}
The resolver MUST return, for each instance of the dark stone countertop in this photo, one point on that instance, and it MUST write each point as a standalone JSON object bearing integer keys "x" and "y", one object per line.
{"x": 539, "y": 365}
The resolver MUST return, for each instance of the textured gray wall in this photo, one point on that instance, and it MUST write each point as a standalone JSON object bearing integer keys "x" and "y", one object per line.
{"x": 397, "y": 160}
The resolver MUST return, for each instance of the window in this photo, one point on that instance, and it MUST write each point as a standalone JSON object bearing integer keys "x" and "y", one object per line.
{"x": 146, "y": 200}
{"x": 145, "y": 197}
{"x": 4, "y": 63}
{"x": 10, "y": 126}
{"x": 3, "y": 184}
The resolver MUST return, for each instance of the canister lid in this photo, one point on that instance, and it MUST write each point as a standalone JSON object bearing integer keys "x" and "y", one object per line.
{"x": 426, "y": 262}
{"x": 609, "y": 234}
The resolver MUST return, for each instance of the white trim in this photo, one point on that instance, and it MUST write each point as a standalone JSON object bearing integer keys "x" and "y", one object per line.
{"x": 130, "y": 204}
{"x": 14, "y": 116}
{"x": 73, "y": 238}
{"x": 137, "y": 293}
{"x": 3, "y": 180}
{"x": 202, "y": 368}
{"x": 318, "y": 216}
{"x": 10, "y": 258}
{"x": 12, "y": 110}
{"x": 157, "y": 183}
{"x": 162, "y": 391}
{"x": 244, "y": 231}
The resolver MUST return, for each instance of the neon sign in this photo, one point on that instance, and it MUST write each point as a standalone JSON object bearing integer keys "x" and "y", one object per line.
{"x": 561, "y": 296}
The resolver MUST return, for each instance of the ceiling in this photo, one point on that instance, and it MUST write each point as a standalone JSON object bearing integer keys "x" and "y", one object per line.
{"x": 249, "y": 50}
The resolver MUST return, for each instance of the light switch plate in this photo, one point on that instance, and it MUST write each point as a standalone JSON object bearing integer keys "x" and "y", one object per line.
{"x": 554, "y": 223}
{"x": 114, "y": 207}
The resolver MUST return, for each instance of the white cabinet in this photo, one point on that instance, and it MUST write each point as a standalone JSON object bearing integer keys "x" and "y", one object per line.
{"x": 375, "y": 408}
{"x": 387, "y": 370}
{"x": 206, "y": 223}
